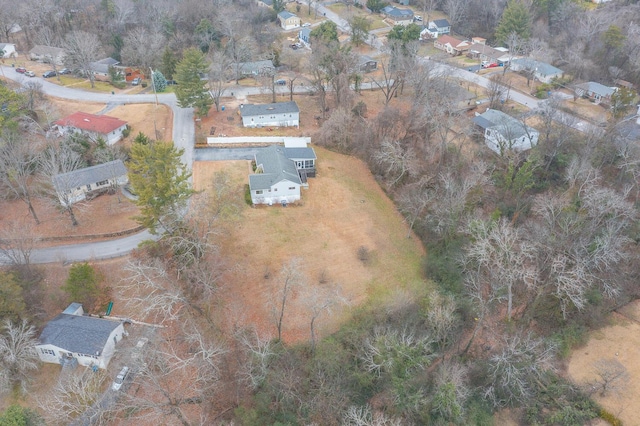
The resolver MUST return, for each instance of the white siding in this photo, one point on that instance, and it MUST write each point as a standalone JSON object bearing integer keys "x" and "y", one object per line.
{"x": 289, "y": 119}
{"x": 283, "y": 191}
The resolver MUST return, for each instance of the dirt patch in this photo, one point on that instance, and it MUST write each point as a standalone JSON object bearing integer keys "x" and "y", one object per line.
{"x": 619, "y": 342}
{"x": 342, "y": 210}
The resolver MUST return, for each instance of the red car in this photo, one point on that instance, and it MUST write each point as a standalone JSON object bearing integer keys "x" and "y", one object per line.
{"x": 21, "y": 70}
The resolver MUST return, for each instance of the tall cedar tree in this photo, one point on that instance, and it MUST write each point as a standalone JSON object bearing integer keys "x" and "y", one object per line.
{"x": 161, "y": 182}
{"x": 191, "y": 75}
{"x": 515, "y": 19}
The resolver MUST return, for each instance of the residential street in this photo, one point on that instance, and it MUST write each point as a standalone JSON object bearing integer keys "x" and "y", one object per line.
{"x": 184, "y": 137}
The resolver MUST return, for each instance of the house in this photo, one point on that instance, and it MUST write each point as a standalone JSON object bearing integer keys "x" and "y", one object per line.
{"x": 395, "y": 16}
{"x": 595, "y": 91}
{"x": 72, "y": 338}
{"x": 281, "y": 114}
{"x": 403, "y": 2}
{"x": 305, "y": 36}
{"x": 77, "y": 185}
{"x": 288, "y": 20}
{"x": 131, "y": 74}
{"x": 279, "y": 174}
{"x": 48, "y": 54}
{"x": 451, "y": 45}
{"x": 254, "y": 69}
{"x": 100, "y": 69}
{"x": 304, "y": 157}
{"x": 541, "y": 71}
{"x": 367, "y": 64}
{"x": 504, "y": 133}
{"x": 488, "y": 54}
{"x": 9, "y": 50}
{"x": 265, "y": 3}
{"x": 435, "y": 29}
{"x": 95, "y": 126}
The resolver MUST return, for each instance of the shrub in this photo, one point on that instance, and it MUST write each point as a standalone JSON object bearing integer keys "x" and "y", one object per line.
{"x": 610, "y": 418}
{"x": 126, "y": 132}
{"x": 247, "y": 195}
{"x": 364, "y": 254}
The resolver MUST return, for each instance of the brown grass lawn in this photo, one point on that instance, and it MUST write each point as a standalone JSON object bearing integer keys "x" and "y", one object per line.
{"x": 343, "y": 209}
{"x": 620, "y": 341}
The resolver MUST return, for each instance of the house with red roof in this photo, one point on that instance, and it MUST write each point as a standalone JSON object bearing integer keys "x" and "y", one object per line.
{"x": 95, "y": 126}
{"x": 451, "y": 45}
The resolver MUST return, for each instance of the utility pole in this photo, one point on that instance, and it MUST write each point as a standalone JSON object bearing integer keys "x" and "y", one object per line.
{"x": 155, "y": 109}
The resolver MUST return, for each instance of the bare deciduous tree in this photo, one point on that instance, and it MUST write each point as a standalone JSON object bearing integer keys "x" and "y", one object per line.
{"x": 397, "y": 160}
{"x": 389, "y": 83}
{"x": 74, "y": 394}
{"x": 513, "y": 371}
{"x": 17, "y": 354}
{"x": 259, "y": 352}
{"x": 82, "y": 49}
{"x": 500, "y": 257}
{"x": 321, "y": 300}
{"x": 142, "y": 47}
{"x": 17, "y": 242}
{"x": 291, "y": 278}
{"x": 219, "y": 73}
{"x": 365, "y": 416}
{"x": 18, "y": 161}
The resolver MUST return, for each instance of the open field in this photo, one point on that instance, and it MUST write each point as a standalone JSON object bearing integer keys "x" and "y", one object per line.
{"x": 619, "y": 342}
{"x": 343, "y": 209}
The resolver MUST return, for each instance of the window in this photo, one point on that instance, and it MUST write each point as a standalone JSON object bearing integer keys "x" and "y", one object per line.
{"x": 259, "y": 192}
{"x": 102, "y": 182}
{"x": 88, "y": 187}
{"x": 48, "y": 351}
{"x": 275, "y": 189}
{"x": 292, "y": 187}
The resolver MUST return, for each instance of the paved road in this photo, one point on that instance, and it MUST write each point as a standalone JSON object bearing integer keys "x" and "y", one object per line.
{"x": 183, "y": 126}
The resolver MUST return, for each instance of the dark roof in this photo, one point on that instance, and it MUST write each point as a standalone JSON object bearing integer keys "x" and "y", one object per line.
{"x": 441, "y": 23}
{"x": 285, "y": 14}
{"x": 79, "y": 334}
{"x": 77, "y": 178}
{"x": 300, "y": 153}
{"x": 276, "y": 167}
{"x": 103, "y": 65}
{"x": 507, "y": 125}
{"x": 482, "y": 122}
{"x": 249, "y": 110}
{"x": 400, "y": 13}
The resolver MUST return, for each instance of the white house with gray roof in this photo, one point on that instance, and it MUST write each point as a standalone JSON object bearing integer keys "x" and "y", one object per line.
{"x": 72, "y": 338}
{"x": 47, "y": 54}
{"x": 276, "y": 179}
{"x": 256, "y": 68}
{"x": 280, "y": 114}
{"x": 77, "y": 185}
{"x": 503, "y": 133}
{"x": 539, "y": 70}
{"x": 8, "y": 50}
{"x": 595, "y": 91}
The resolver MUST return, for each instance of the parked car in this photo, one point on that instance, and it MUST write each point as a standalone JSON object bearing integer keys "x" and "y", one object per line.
{"x": 281, "y": 82}
{"x": 172, "y": 83}
{"x": 306, "y": 24}
{"x": 30, "y": 74}
{"x": 49, "y": 73}
{"x": 122, "y": 375}
{"x": 64, "y": 71}
{"x": 417, "y": 18}
{"x": 136, "y": 81}
{"x": 21, "y": 70}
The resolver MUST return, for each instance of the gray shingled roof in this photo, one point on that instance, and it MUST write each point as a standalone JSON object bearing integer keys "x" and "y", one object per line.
{"x": 505, "y": 124}
{"x": 256, "y": 67}
{"x": 542, "y": 67}
{"x": 276, "y": 168}
{"x": 441, "y": 23}
{"x": 597, "y": 88}
{"x": 285, "y": 14}
{"x": 249, "y": 110}
{"x": 46, "y": 50}
{"x": 78, "y": 334}
{"x": 400, "y": 13}
{"x": 300, "y": 153}
{"x": 77, "y": 178}
{"x": 103, "y": 65}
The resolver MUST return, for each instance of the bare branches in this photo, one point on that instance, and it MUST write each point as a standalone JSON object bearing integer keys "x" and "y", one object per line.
{"x": 17, "y": 354}
{"x": 397, "y": 160}
{"x": 291, "y": 277}
{"x": 613, "y": 377}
